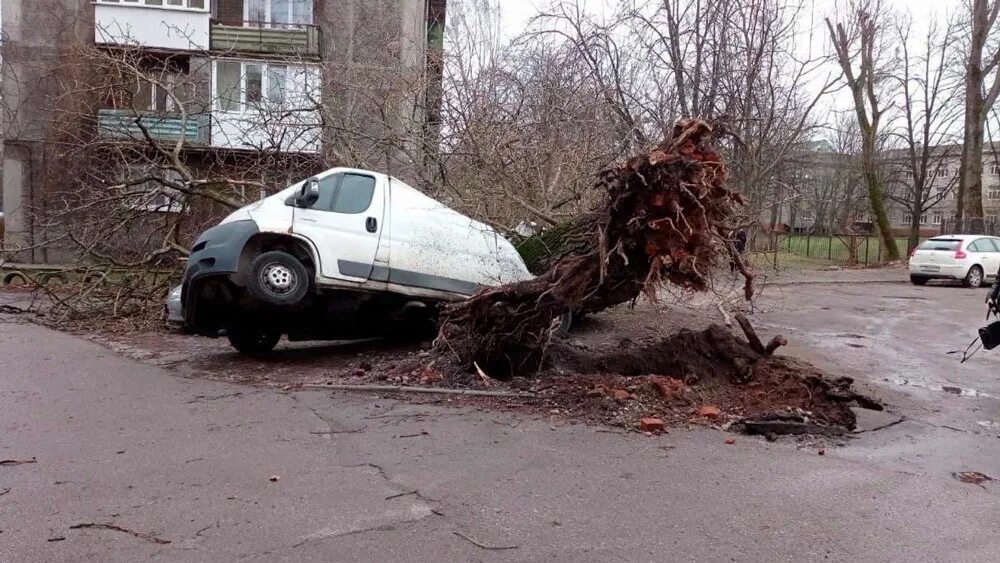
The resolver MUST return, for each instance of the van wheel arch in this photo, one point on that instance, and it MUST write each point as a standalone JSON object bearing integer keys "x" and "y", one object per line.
{"x": 268, "y": 242}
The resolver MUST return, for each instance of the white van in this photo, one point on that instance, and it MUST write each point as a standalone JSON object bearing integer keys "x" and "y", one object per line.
{"x": 345, "y": 254}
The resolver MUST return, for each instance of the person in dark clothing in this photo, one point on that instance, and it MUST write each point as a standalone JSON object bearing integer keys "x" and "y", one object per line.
{"x": 994, "y": 295}
{"x": 739, "y": 241}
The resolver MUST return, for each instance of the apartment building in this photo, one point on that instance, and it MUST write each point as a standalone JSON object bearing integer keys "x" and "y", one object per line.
{"x": 224, "y": 80}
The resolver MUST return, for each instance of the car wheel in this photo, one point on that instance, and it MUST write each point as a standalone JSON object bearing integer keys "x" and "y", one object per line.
{"x": 252, "y": 340}
{"x": 918, "y": 280}
{"x": 278, "y": 278}
{"x": 974, "y": 278}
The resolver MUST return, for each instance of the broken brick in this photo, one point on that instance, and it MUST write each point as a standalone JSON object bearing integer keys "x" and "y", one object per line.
{"x": 709, "y": 411}
{"x": 651, "y": 424}
{"x": 668, "y": 387}
{"x": 730, "y": 441}
{"x": 621, "y": 395}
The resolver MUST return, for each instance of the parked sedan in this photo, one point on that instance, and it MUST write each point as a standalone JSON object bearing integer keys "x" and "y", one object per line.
{"x": 970, "y": 259}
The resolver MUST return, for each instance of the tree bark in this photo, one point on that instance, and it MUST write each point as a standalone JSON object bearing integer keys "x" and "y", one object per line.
{"x": 978, "y": 101}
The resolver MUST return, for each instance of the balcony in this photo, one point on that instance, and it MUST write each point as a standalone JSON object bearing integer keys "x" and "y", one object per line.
{"x": 172, "y": 28}
{"x": 121, "y": 124}
{"x": 252, "y": 37}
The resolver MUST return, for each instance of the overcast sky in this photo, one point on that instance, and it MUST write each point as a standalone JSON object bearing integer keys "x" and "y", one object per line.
{"x": 516, "y": 13}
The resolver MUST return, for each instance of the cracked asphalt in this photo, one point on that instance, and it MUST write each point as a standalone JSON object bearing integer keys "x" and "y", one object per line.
{"x": 127, "y": 461}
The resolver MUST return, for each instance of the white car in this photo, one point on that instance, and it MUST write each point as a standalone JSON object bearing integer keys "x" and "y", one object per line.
{"x": 971, "y": 259}
{"x": 343, "y": 255}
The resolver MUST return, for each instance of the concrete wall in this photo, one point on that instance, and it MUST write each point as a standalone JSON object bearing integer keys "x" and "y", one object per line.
{"x": 38, "y": 35}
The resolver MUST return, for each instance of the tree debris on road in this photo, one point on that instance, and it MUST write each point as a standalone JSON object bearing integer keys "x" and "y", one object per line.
{"x": 663, "y": 219}
{"x": 140, "y": 535}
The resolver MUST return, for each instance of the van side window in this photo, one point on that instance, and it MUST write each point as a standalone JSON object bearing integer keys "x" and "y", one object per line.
{"x": 327, "y": 191}
{"x": 354, "y": 195}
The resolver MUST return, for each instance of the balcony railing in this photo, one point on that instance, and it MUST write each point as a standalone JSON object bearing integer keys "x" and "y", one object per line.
{"x": 276, "y": 39}
{"x": 121, "y": 124}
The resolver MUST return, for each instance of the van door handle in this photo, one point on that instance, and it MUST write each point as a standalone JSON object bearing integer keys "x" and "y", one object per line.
{"x": 371, "y": 225}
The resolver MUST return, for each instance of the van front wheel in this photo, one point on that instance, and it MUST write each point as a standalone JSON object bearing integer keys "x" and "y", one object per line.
{"x": 278, "y": 278}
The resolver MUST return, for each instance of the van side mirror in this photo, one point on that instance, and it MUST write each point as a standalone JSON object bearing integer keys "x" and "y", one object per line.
{"x": 308, "y": 193}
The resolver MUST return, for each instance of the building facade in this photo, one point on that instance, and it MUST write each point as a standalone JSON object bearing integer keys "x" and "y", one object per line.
{"x": 220, "y": 81}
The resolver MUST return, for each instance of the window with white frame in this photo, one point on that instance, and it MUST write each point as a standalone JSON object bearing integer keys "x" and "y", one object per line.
{"x": 993, "y": 194}
{"x": 278, "y": 13}
{"x": 907, "y": 219}
{"x": 942, "y": 172}
{"x": 247, "y": 85}
{"x": 995, "y": 170}
{"x": 189, "y": 4}
{"x": 936, "y": 218}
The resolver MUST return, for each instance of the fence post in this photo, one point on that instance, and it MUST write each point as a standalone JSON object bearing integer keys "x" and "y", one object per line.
{"x": 829, "y": 248}
{"x": 867, "y": 240}
{"x": 878, "y": 260}
{"x": 808, "y": 238}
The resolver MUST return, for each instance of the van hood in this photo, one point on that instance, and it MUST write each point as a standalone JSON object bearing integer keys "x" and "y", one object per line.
{"x": 243, "y": 214}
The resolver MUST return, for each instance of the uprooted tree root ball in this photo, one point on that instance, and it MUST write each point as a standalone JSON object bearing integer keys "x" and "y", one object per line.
{"x": 663, "y": 220}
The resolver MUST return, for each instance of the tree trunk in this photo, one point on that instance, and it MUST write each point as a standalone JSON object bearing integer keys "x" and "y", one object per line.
{"x": 914, "y": 228}
{"x": 877, "y": 198}
{"x": 970, "y": 182}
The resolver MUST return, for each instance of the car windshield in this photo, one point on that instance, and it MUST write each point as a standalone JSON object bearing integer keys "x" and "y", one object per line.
{"x": 948, "y": 245}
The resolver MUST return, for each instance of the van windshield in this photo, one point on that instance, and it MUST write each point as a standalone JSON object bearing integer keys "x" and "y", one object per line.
{"x": 947, "y": 245}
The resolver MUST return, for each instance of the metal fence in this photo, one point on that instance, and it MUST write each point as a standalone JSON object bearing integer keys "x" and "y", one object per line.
{"x": 971, "y": 226}
{"x": 843, "y": 249}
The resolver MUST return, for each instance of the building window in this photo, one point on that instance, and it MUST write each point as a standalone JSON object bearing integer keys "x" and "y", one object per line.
{"x": 254, "y": 83}
{"x": 277, "y": 84}
{"x": 936, "y": 218}
{"x": 942, "y": 172}
{"x": 227, "y": 80}
{"x": 992, "y": 194}
{"x": 244, "y": 86}
{"x": 190, "y": 4}
{"x": 995, "y": 170}
{"x": 153, "y": 195}
{"x": 282, "y": 14}
{"x": 907, "y": 219}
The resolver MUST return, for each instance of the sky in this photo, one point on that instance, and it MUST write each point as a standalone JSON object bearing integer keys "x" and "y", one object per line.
{"x": 516, "y": 13}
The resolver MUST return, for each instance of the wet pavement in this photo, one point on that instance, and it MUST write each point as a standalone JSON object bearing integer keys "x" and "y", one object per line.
{"x": 904, "y": 344}
{"x": 126, "y": 461}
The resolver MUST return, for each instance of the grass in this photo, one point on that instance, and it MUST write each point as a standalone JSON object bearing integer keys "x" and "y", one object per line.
{"x": 786, "y": 261}
{"x": 835, "y": 249}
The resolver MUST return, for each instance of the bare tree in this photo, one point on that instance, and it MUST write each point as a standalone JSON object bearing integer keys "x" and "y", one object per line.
{"x": 980, "y": 96}
{"x": 860, "y": 46}
{"x": 928, "y": 112}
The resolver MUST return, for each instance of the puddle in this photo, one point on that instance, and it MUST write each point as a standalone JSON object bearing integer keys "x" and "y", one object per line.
{"x": 952, "y": 389}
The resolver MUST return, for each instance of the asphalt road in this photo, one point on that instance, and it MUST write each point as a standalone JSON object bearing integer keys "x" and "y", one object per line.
{"x": 126, "y": 456}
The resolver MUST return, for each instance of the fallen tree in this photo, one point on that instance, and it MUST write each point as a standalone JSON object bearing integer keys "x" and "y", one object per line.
{"x": 662, "y": 220}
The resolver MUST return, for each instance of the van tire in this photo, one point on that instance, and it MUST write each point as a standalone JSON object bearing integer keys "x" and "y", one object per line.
{"x": 252, "y": 340}
{"x": 278, "y": 278}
